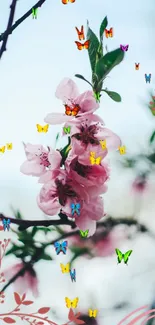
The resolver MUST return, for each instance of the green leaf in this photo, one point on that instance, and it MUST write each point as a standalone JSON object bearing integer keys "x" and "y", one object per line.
{"x": 46, "y": 257}
{"x": 103, "y": 27}
{"x": 13, "y": 249}
{"x": 108, "y": 62}
{"x": 113, "y": 95}
{"x": 152, "y": 158}
{"x": 152, "y": 138}
{"x": 34, "y": 231}
{"x": 93, "y": 47}
{"x": 81, "y": 77}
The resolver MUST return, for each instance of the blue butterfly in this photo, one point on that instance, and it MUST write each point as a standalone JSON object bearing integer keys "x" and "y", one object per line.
{"x": 75, "y": 208}
{"x": 148, "y": 77}
{"x": 61, "y": 247}
{"x": 73, "y": 275}
{"x": 6, "y": 224}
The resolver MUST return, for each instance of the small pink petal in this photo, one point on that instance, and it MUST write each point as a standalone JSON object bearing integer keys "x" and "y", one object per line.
{"x": 87, "y": 102}
{"x": 32, "y": 168}
{"x": 84, "y": 223}
{"x": 112, "y": 140}
{"x": 67, "y": 90}
{"x": 54, "y": 158}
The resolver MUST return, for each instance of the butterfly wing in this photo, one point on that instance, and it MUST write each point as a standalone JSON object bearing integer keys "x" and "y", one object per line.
{"x": 64, "y": 246}
{"x": 77, "y": 208}
{"x": 90, "y": 313}
{"x": 119, "y": 255}
{"x": 57, "y": 246}
{"x": 68, "y": 302}
{"x": 73, "y": 208}
{"x": 86, "y": 232}
{"x": 78, "y": 32}
{"x": 2, "y": 149}
{"x": 79, "y": 45}
{"x": 68, "y": 110}
{"x": 98, "y": 160}
{"x": 64, "y": 1}
{"x": 45, "y": 128}
{"x": 94, "y": 313}
{"x": 75, "y": 110}
{"x": 106, "y": 33}
{"x": 67, "y": 268}
{"x": 62, "y": 268}
{"x": 111, "y": 32}
{"x": 86, "y": 44}
{"x": 75, "y": 302}
{"x": 39, "y": 128}
{"x": 8, "y": 221}
{"x": 72, "y": 1}
{"x": 9, "y": 146}
{"x": 92, "y": 160}
{"x": 4, "y": 224}
{"x": 126, "y": 256}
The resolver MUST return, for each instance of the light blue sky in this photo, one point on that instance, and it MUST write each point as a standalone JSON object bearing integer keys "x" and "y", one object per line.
{"x": 42, "y": 52}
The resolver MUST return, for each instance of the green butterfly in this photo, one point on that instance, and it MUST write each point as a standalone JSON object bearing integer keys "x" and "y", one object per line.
{"x": 121, "y": 256}
{"x": 67, "y": 130}
{"x": 84, "y": 234}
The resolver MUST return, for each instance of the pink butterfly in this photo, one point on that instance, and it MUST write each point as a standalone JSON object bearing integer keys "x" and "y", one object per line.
{"x": 124, "y": 47}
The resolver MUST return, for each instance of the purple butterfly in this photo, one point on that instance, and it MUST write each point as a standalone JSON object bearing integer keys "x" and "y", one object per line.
{"x": 124, "y": 47}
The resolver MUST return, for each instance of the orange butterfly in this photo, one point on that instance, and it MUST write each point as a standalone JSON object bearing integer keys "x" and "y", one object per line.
{"x": 80, "y": 33}
{"x": 109, "y": 33}
{"x": 72, "y": 111}
{"x": 66, "y": 1}
{"x": 137, "y": 66}
{"x": 81, "y": 46}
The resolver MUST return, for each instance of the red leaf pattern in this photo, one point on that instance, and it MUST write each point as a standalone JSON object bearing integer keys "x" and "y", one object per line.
{"x": 71, "y": 315}
{"x": 27, "y": 302}
{"x": 9, "y": 320}
{"x": 17, "y": 298}
{"x": 43, "y": 310}
{"x": 79, "y": 321}
{"x": 23, "y": 296}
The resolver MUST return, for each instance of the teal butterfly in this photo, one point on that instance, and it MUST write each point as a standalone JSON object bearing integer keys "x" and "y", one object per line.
{"x": 84, "y": 234}
{"x": 121, "y": 256}
{"x": 67, "y": 130}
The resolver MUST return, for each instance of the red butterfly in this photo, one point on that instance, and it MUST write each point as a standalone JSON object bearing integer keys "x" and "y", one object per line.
{"x": 66, "y": 1}
{"x": 72, "y": 111}
{"x": 137, "y": 66}
{"x": 109, "y": 33}
{"x": 81, "y": 46}
{"x": 80, "y": 33}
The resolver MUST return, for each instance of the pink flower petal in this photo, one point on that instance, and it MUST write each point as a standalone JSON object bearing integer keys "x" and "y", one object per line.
{"x": 112, "y": 140}
{"x": 67, "y": 90}
{"x": 57, "y": 118}
{"x": 32, "y": 168}
{"x": 54, "y": 158}
{"x": 87, "y": 102}
{"x": 84, "y": 223}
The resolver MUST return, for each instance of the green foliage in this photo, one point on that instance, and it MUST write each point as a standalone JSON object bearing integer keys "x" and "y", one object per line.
{"x": 152, "y": 138}
{"x": 101, "y": 65}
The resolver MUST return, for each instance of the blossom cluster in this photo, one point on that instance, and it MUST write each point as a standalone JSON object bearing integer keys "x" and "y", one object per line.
{"x": 73, "y": 180}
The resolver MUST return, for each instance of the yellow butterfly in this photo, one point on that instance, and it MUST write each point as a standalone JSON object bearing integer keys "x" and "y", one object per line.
{"x": 92, "y": 313}
{"x": 93, "y": 160}
{"x": 41, "y": 128}
{"x": 103, "y": 144}
{"x": 122, "y": 150}
{"x": 71, "y": 303}
{"x": 9, "y": 146}
{"x": 2, "y": 149}
{"x": 65, "y": 268}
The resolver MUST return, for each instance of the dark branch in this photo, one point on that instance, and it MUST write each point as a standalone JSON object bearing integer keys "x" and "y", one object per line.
{"x": 10, "y": 21}
{"x": 20, "y": 20}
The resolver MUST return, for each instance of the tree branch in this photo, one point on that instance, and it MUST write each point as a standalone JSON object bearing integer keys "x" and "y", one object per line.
{"x": 20, "y": 20}
{"x": 10, "y": 21}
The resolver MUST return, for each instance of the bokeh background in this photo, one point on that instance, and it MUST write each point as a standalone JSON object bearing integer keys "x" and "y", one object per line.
{"x": 40, "y": 53}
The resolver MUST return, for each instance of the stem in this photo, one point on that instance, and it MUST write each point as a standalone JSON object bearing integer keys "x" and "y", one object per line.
{"x": 10, "y": 21}
{"x": 20, "y": 20}
{"x": 29, "y": 315}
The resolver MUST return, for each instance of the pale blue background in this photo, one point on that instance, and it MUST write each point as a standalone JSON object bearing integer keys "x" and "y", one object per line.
{"x": 39, "y": 54}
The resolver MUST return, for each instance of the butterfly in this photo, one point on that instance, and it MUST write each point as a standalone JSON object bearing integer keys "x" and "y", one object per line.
{"x": 6, "y": 224}
{"x": 67, "y": 129}
{"x": 80, "y": 33}
{"x": 73, "y": 275}
{"x": 137, "y": 66}
{"x": 72, "y": 111}
{"x": 9, "y": 146}
{"x": 65, "y": 268}
{"x": 103, "y": 144}
{"x": 71, "y": 303}
{"x": 61, "y": 247}
{"x": 66, "y": 1}
{"x": 93, "y": 160}
{"x": 121, "y": 256}
{"x": 147, "y": 77}
{"x": 122, "y": 150}
{"x": 41, "y": 128}
{"x": 92, "y": 313}
{"x": 75, "y": 208}
{"x": 81, "y": 46}
{"x": 109, "y": 33}
{"x": 83, "y": 233}
{"x": 2, "y": 149}
{"x": 34, "y": 13}
{"x": 124, "y": 47}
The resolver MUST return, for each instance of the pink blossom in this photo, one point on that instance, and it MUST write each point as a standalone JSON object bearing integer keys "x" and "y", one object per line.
{"x": 39, "y": 160}
{"x": 24, "y": 283}
{"x": 68, "y": 92}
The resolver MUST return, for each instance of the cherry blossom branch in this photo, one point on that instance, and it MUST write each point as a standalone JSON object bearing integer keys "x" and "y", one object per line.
{"x": 20, "y": 20}
{"x": 10, "y": 21}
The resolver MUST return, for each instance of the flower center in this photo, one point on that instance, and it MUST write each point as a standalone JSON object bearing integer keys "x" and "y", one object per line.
{"x": 81, "y": 169}
{"x": 87, "y": 134}
{"x": 64, "y": 191}
{"x": 44, "y": 159}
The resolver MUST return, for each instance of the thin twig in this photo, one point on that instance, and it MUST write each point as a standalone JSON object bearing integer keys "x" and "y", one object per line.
{"x": 10, "y": 21}
{"x": 20, "y": 20}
